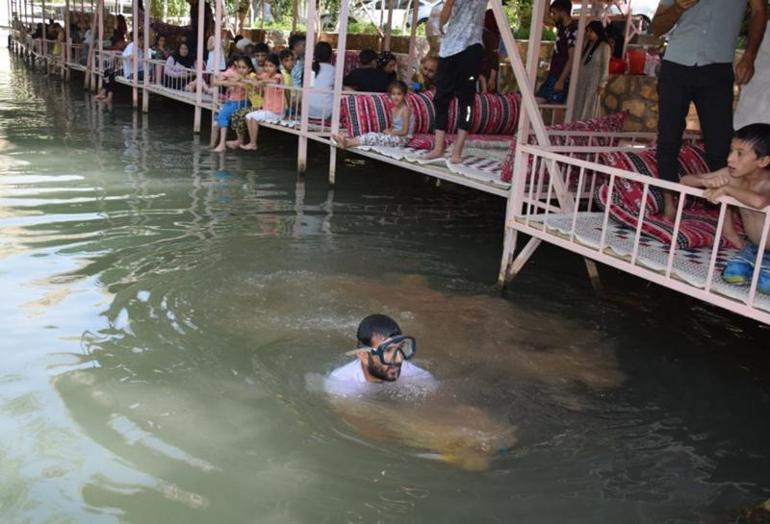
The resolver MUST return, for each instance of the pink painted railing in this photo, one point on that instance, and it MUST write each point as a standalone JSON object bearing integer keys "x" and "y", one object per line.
{"x": 585, "y": 229}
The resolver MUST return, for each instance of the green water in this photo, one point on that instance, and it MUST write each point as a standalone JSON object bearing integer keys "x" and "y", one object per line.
{"x": 167, "y": 316}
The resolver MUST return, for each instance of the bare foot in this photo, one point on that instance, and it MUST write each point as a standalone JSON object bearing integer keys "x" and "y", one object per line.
{"x": 341, "y": 141}
{"x": 219, "y": 149}
{"x": 456, "y": 159}
{"x": 233, "y": 144}
{"x": 249, "y": 147}
{"x": 434, "y": 153}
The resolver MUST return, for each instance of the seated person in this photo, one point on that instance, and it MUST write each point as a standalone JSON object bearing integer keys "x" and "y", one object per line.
{"x": 108, "y": 87}
{"x": 261, "y": 50}
{"x": 178, "y": 69}
{"x": 425, "y": 78}
{"x": 747, "y": 179}
{"x": 134, "y": 48}
{"x": 387, "y": 63}
{"x": 367, "y": 77}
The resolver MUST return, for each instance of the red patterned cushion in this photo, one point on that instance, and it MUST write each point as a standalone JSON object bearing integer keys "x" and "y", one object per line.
{"x": 492, "y": 114}
{"x": 699, "y": 220}
{"x": 364, "y": 114}
{"x": 692, "y": 161}
{"x": 612, "y": 123}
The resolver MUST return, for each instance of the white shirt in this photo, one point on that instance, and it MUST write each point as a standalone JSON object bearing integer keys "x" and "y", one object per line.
{"x": 464, "y": 28}
{"x": 321, "y": 103}
{"x": 349, "y": 380}
{"x": 754, "y": 103}
{"x": 128, "y": 61}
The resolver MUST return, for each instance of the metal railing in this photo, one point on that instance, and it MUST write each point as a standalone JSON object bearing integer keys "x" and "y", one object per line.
{"x": 593, "y": 234}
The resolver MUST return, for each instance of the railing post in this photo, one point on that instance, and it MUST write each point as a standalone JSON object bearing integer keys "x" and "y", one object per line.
{"x": 306, "y": 81}
{"x": 199, "y": 68}
{"x": 146, "y": 58}
{"x": 339, "y": 72}
{"x": 67, "y": 41}
{"x": 99, "y": 43}
{"x": 135, "y": 54}
{"x": 576, "y": 59}
{"x": 217, "y": 51}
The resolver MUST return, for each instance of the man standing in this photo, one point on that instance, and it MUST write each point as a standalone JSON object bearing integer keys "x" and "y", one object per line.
{"x": 698, "y": 67}
{"x": 458, "y": 71}
{"x": 554, "y": 89}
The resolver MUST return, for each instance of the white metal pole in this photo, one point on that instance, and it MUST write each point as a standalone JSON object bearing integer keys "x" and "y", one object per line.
{"x": 217, "y": 51}
{"x": 148, "y": 68}
{"x": 99, "y": 44}
{"x": 294, "y": 15}
{"x": 339, "y": 72}
{"x": 44, "y": 41}
{"x": 135, "y": 53}
{"x": 576, "y": 60}
{"x": 199, "y": 69}
{"x": 413, "y": 37}
{"x": 389, "y": 28}
{"x": 306, "y": 81}
{"x": 65, "y": 67}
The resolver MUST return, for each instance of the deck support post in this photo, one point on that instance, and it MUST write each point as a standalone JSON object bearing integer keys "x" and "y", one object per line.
{"x": 339, "y": 72}
{"x": 413, "y": 39}
{"x": 199, "y": 67}
{"x": 88, "y": 76}
{"x": 576, "y": 59}
{"x": 135, "y": 54}
{"x": 146, "y": 57}
{"x": 100, "y": 44}
{"x": 65, "y": 67}
{"x": 307, "y": 77}
{"x": 388, "y": 27}
{"x": 217, "y": 52}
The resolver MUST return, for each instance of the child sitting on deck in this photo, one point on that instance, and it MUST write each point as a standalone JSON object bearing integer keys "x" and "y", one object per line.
{"x": 287, "y": 65}
{"x": 235, "y": 98}
{"x": 272, "y": 101}
{"x": 400, "y": 131}
{"x": 747, "y": 179}
{"x": 108, "y": 87}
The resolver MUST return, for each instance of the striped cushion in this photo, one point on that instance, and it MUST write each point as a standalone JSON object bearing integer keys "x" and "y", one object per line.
{"x": 699, "y": 219}
{"x": 492, "y": 114}
{"x": 610, "y": 123}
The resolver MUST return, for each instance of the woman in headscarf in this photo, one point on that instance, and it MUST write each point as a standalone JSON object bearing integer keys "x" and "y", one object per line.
{"x": 177, "y": 71}
{"x": 594, "y": 72}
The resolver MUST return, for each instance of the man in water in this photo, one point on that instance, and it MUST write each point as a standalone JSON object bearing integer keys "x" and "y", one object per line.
{"x": 383, "y": 355}
{"x": 462, "y": 435}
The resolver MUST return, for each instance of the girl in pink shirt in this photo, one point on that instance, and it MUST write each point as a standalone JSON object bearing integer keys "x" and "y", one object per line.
{"x": 235, "y": 98}
{"x": 273, "y": 99}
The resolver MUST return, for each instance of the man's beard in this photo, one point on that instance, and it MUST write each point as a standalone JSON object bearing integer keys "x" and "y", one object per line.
{"x": 381, "y": 371}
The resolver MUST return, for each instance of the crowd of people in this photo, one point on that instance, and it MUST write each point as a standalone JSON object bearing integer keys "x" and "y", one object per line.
{"x": 698, "y": 67}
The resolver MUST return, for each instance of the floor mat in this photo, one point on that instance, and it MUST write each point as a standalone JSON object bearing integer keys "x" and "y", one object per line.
{"x": 690, "y": 265}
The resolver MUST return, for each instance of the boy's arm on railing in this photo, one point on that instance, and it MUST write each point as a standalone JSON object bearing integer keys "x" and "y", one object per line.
{"x": 744, "y": 196}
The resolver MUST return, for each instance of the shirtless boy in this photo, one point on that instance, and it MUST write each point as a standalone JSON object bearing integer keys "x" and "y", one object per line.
{"x": 747, "y": 179}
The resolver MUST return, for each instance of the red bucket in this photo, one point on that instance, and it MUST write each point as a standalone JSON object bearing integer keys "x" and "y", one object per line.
{"x": 617, "y": 66}
{"x": 636, "y": 61}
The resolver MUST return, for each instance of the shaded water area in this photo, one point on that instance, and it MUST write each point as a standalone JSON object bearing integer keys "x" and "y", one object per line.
{"x": 167, "y": 316}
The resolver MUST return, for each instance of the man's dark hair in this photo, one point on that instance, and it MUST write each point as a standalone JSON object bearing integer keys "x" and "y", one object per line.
{"x": 294, "y": 40}
{"x": 261, "y": 47}
{"x": 565, "y": 6}
{"x": 286, "y": 53}
{"x": 366, "y": 57}
{"x": 237, "y": 39}
{"x": 376, "y": 324}
{"x": 758, "y": 135}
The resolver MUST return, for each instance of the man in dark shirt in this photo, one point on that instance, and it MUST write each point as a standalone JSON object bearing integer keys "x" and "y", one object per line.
{"x": 367, "y": 77}
{"x": 554, "y": 89}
